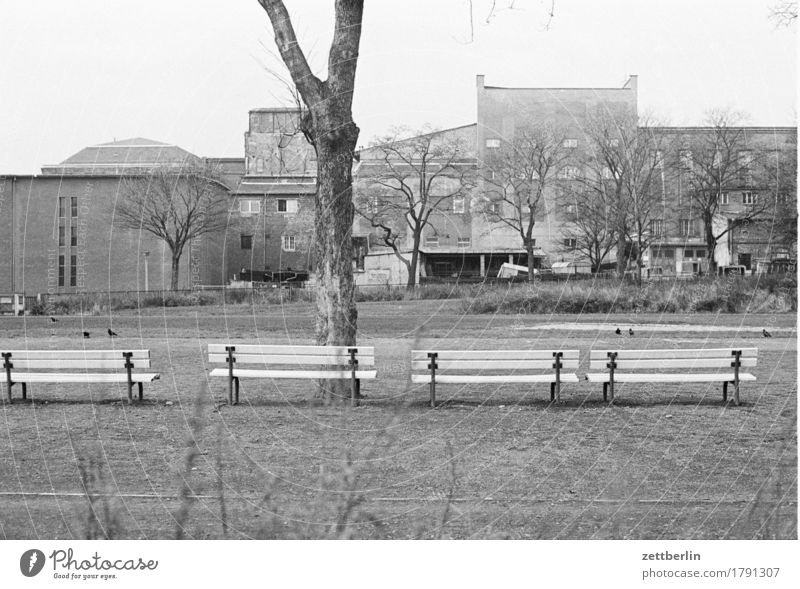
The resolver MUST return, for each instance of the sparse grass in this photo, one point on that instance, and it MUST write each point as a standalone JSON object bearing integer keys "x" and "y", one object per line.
{"x": 663, "y": 462}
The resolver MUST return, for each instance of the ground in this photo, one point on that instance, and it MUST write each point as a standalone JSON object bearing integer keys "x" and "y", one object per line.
{"x": 662, "y": 462}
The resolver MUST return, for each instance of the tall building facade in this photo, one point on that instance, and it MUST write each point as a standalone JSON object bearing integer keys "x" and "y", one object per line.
{"x": 58, "y": 232}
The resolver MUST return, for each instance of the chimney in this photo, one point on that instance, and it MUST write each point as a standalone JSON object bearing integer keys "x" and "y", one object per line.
{"x": 479, "y": 80}
{"x": 632, "y": 83}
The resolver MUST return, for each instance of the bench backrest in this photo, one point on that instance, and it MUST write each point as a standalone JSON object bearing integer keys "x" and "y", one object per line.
{"x": 73, "y": 359}
{"x": 721, "y": 358}
{"x": 294, "y": 356}
{"x": 494, "y": 360}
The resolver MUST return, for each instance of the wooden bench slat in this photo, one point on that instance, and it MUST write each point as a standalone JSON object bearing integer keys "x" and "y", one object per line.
{"x": 299, "y": 374}
{"x": 686, "y": 363}
{"x": 291, "y": 349}
{"x": 675, "y": 377}
{"x": 494, "y": 354}
{"x": 292, "y": 359}
{"x": 493, "y": 364}
{"x": 56, "y": 377}
{"x": 87, "y": 364}
{"x": 673, "y": 354}
{"x": 489, "y": 378}
{"x": 74, "y": 354}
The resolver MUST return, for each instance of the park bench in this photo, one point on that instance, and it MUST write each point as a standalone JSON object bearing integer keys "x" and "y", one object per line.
{"x": 494, "y": 366}
{"x": 301, "y": 362}
{"x": 649, "y": 366}
{"x": 76, "y": 366}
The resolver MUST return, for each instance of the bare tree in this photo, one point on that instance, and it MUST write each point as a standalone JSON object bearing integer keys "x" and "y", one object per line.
{"x": 644, "y": 181}
{"x": 328, "y": 125}
{"x": 176, "y": 204}
{"x": 783, "y": 12}
{"x": 605, "y": 166}
{"x": 715, "y": 162}
{"x": 402, "y": 182}
{"x": 588, "y": 223}
{"x": 516, "y": 177}
{"x": 780, "y": 176}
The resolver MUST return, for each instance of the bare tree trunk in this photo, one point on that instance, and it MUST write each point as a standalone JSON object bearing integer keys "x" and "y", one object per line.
{"x": 412, "y": 267}
{"x": 622, "y": 259}
{"x": 529, "y": 249}
{"x": 336, "y": 308}
{"x": 711, "y": 245}
{"x": 176, "y": 264}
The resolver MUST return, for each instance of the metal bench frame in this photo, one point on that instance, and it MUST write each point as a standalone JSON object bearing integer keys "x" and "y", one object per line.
{"x": 684, "y": 360}
{"x": 84, "y": 359}
{"x": 505, "y": 359}
{"x": 266, "y": 353}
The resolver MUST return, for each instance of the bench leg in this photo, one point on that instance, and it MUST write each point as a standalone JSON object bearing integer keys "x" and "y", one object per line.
{"x": 736, "y": 393}
{"x": 141, "y": 390}
{"x": 605, "y": 391}
{"x": 552, "y": 392}
{"x": 236, "y": 389}
{"x": 24, "y": 391}
{"x": 725, "y": 391}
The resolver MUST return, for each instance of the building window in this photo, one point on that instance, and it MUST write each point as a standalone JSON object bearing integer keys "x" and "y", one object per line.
{"x": 62, "y": 236}
{"x": 492, "y": 143}
{"x": 781, "y": 198}
{"x": 496, "y": 208}
{"x": 246, "y": 242}
{"x": 60, "y": 270}
{"x": 613, "y": 142}
{"x": 657, "y": 227}
{"x": 570, "y": 143}
{"x": 687, "y": 227}
{"x": 259, "y": 165}
{"x": 458, "y": 204}
{"x": 62, "y": 207}
{"x": 570, "y": 209}
{"x": 722, "y": 198}
{"x": 700, "y": 253}
{"x": 749, "y": 198}
{"x": 569, "y": 172}
{"x": 688, "y": 253}
{"x": 73, "y": 270}
{"x": 249, "y": 206}
{"x": 288, "y": 244}
{"x": 462, "y": 241}
{"x": 745, "y": 161}
{"x": 287, "y": 205}
{"x": 570, "y": 243}
{"x": 687, "y": 161}
{"x": 432, "y": 241}
{"x": 73, "y": 235}
{"x": 74, "y": 207}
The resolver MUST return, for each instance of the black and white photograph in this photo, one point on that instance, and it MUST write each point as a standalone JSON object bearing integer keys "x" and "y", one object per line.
{"x": 423, "y": 273}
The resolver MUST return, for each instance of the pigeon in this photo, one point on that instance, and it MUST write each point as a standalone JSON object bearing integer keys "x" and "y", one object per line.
{"x": 111, "y": 333}
{"x": 766, "y": 333}
{"x": 53, "y": 319}
{"x": 630, "y": 331}
{"x": 618, "y": 332}
{"x": 85, "y": 335}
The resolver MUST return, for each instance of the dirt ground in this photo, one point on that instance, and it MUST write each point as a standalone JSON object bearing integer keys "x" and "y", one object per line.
{"x": 666, "y": 461}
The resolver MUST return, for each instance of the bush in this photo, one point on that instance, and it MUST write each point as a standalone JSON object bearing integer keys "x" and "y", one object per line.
{"x": 728, "y": 295}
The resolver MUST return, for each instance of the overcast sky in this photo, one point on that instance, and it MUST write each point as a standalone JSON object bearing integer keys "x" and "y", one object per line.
{"x": 81, "y": 72}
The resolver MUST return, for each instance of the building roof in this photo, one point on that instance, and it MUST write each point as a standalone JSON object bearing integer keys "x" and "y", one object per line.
{"x": 116, "y": 156}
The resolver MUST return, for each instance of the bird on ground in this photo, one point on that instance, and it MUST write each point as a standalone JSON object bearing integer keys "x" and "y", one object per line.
{"x": 630, "y": 331}
{"x": 53, "y": 319}
{"x": 766, "y": 333}
{"x": 111, "y": 333}
{"x": 618, "y": 332}
{"x": 85, "y": 335}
